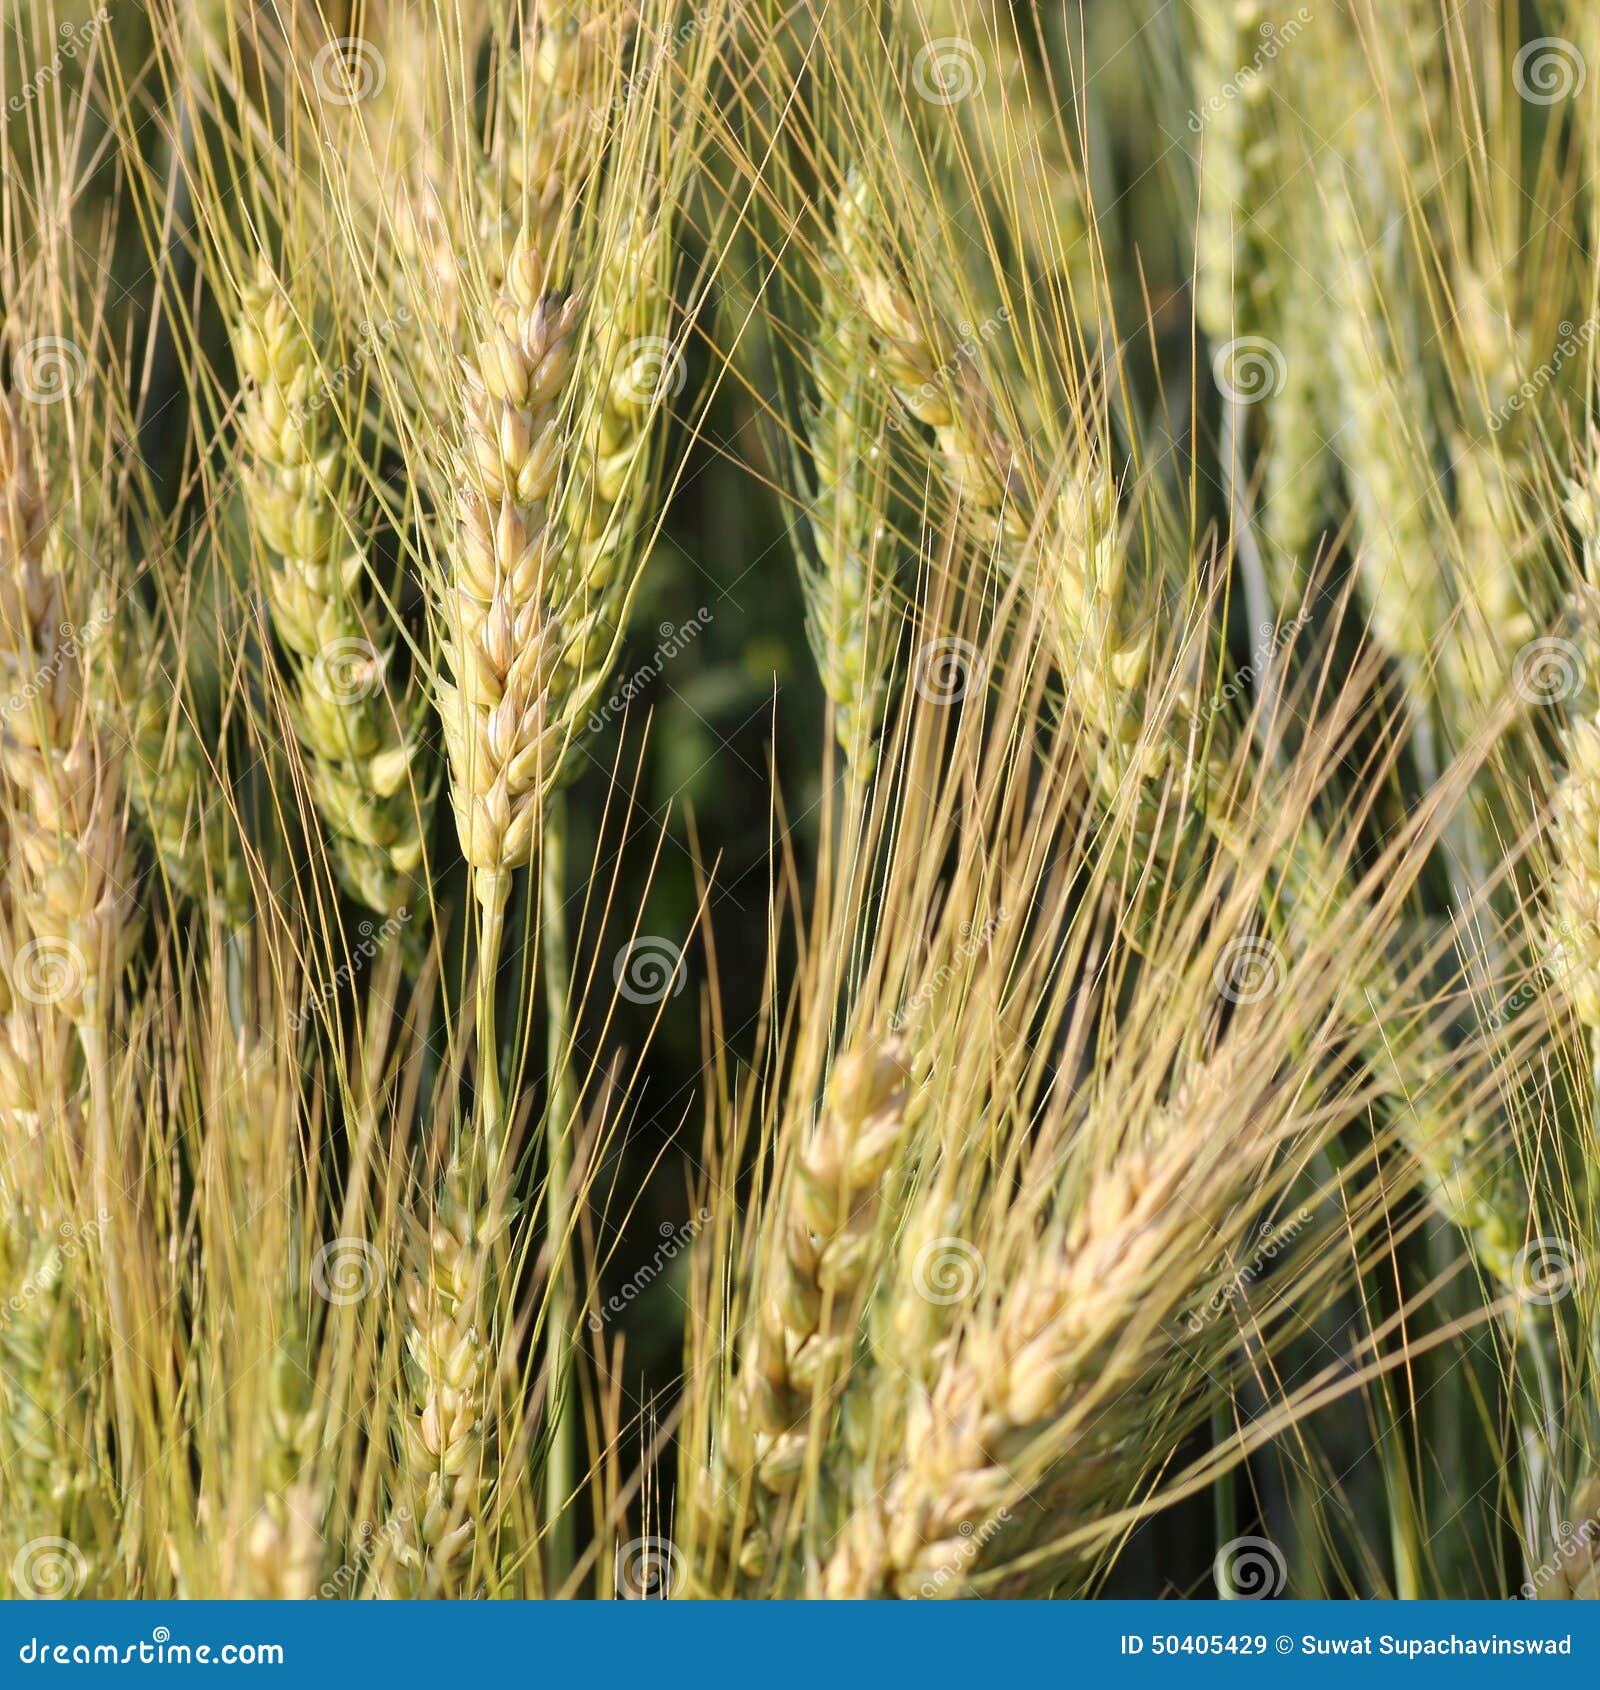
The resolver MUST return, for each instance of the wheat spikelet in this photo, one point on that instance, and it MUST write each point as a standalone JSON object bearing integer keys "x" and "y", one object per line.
{"x": 934, "y": 379}
{"x": 627, "y": 365}
{"x": 174, "y": 789}
{"x": 501, "y": 708}
{"x": 1472, "y": 1182}
{"x": 1064, "y": 541}
{"x": 846, "y": 598}
{"x": 362, "y": 747}
{"x": 1386, "y": 436}
{"x": 446, "y": 1454}
{"x": 1575, "y": 884}
{"x": 45, "y": 1450}
{"x": 278, "y": 1555}
{"x": 971, "y": 1441}
{"x": 804, "y": 1301}
{"x": 68, "y": 821}
{"x": 1237, "y": 166}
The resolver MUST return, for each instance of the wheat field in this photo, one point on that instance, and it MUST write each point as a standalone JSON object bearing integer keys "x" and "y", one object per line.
{"x": 800, "y": 799}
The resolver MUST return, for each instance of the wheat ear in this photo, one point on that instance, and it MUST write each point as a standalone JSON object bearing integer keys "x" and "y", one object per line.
{"x": 845, "y": 591}
{"x": 805, "y": 1314}
{"x": 446, "y": 1454}
{"x": 69, "y": 840}
{"x": 361, "y": 746}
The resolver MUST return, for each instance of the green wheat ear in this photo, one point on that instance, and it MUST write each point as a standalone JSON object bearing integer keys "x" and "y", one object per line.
{"x": 370, "y": 780}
